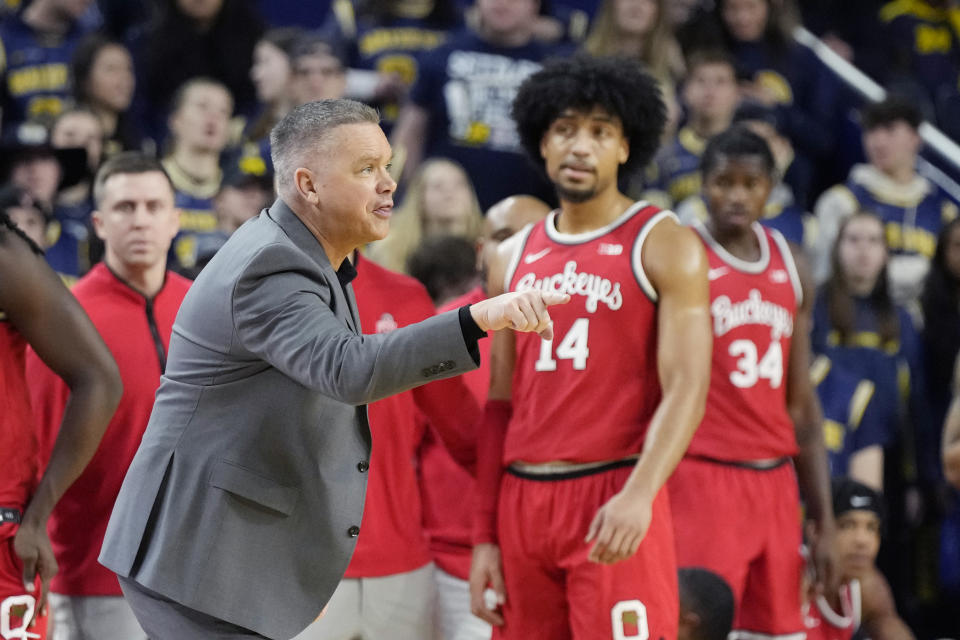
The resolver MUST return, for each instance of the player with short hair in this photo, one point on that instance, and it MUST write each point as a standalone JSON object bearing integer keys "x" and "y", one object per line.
{"x": 588, "y": 426}
{"x": 734, "y": 495}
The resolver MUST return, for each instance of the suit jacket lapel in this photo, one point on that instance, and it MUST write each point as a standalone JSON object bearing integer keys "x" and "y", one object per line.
{"x": 306, "y": 242}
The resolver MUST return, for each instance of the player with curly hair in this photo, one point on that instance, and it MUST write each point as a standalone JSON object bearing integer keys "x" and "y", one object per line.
{"x": 573, "y": 532}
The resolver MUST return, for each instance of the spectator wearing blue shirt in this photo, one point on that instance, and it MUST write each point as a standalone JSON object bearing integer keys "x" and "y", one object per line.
{"x": 912, "y": 208}
{"x": 383, "y": 41}
{"x": 272, "y": 74}
{"x": 198, "y": 125}
{"x": 710, "y": 97}
{"x": 854, "y": 422}
{"x": 35, "y": 51}
{"x": 857, "y": 324}
{"x": 104, "y": 83}
{"x": 460, "y": 105}
{"x": 776, "y": 71}
{"x": 922, "y": 39}
{"x": 72, "y": 248}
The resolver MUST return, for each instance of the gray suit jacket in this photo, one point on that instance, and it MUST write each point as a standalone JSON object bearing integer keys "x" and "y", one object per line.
{"x": 245, "y": 497}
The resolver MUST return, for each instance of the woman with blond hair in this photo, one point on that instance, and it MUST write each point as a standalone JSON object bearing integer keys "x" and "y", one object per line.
{"x": 440, "y": 201}
{"x": 637, "y": 29}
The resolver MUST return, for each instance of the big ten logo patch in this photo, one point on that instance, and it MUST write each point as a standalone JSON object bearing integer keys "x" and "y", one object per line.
{"x": 16, "y": 612}
{"x": 629, "y": 620}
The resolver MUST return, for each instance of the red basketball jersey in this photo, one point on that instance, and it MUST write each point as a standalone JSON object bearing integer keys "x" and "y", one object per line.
{"x": 753, "y": 306}
{"x": 823, "y": 623}
{"x": 588, "y": 395}
{"x": 18, "y": 441}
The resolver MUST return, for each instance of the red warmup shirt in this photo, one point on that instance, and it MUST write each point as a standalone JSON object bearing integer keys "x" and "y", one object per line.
{"x": 18, "y": 442}
{"x": 137, "y": 332}
{"x": 752, "y": 305}
{"x": 589, "y": 395}
{"x": 447, "y": 490}
{"x": 392, "y": 538}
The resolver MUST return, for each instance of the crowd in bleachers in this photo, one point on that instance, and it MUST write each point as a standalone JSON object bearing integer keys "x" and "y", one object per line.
{"x": 199, "y": 84}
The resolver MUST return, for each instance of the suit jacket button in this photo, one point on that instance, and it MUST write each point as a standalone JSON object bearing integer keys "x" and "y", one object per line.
{"x": 353, "y": 531}
{"x": 449, "y": 364}
{"x": 362, "y": 466}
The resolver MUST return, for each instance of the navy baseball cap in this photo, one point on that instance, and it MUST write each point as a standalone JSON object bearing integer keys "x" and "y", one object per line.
{"x": 850, "y": 495}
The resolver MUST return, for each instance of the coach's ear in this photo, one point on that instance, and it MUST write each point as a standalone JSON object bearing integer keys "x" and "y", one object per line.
{"x": 303, "y": 181}
{"x": 624, "y": 152}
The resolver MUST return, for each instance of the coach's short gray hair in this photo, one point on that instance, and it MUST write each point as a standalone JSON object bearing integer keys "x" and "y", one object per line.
{"x": 306, "y": 127}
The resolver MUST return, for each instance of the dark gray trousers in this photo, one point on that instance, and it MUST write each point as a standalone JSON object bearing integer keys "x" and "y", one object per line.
{"x": 164, "y": 619}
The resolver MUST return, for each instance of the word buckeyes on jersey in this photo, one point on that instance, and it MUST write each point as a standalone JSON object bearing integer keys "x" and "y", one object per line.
{"x": 594, "y": 288}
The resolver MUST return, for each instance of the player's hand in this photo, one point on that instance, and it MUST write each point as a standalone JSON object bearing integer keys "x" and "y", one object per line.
{"x": 619, "y": 527}
{"x": 32, "y": 546}
{"x": 486, "y": 571}
{"x": 518, "y": 310}
{"x": 821, "y": 557}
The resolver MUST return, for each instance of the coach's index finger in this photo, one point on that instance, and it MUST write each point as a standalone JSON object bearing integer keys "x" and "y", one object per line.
{"x": 554, "y": 297}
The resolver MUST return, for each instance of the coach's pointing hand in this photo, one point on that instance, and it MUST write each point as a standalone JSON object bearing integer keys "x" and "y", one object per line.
{"x": 520, "y": 311}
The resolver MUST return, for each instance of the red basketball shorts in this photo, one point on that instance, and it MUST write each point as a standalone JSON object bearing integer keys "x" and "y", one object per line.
{"x": 554, "y": 592}
{"x": 744, "y": 525}
{"x": 16, "y": 605}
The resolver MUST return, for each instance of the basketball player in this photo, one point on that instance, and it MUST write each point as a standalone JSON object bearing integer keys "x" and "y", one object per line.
{"x": 734, "y": 495}
{"x": 447, "y": 489}
{"x": 36, "y": 309}
{"x": 576, "y": 541}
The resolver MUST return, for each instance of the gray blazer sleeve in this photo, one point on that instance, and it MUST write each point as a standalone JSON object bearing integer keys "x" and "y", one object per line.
{"x": 285, "y": 317}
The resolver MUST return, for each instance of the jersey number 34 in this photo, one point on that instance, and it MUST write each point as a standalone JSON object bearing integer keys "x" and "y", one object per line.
{"x": 751, "y": 368}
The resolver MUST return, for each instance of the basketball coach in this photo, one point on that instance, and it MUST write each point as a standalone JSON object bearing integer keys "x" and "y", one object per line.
{"x": 242, "y": 506}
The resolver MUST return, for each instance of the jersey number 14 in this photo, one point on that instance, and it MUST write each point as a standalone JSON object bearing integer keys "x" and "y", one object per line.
{"x": 572, "y": 347}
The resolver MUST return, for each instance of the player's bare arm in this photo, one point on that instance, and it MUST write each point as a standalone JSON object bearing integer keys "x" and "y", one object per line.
{"x": 676, "y": 264}
{"x": 813, "y": 473}
{"x": 51, "y": 320}
{"x": 951, "y": 434}
{"x": 880, "y": 618}
{"x": 486, "y": 568}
